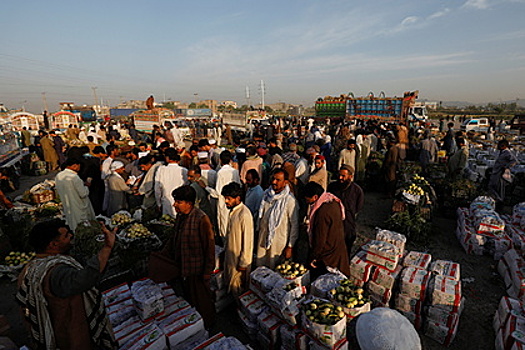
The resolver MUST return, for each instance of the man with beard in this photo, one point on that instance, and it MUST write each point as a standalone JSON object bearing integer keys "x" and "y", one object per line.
{"x": 57, "y": 294}
{"x": 352, "y": 197}
{"x": 278, "y": 222}
{"x": 239, "y": 240}
{"x": 325, "y": 231}
{"x": 196, "y": 182}
{"x": 319, "y": 175}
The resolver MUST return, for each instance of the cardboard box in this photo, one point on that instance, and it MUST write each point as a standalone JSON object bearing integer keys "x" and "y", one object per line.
{"x": 178, "y": 330}
{"x": 392, "y": 237}
{"x": 445, "y": 291}
{"x": 441, "y": 333}
{"x": 360, "y": 268}
{"x": 415, "y": 319}
{"x": 446, "y": 268}
{"x": 441, "y": 316}
{"x": 386, "y": 278}
{"x": 417, "y": 259}
{"x": 149, "y": 337}
{"x": 407, "y": 304}
{"x": 379, "y": 292}
{"x": 293, "y": 338}
{"x": 116, "y": 294}
{"x": 414, "y": 282}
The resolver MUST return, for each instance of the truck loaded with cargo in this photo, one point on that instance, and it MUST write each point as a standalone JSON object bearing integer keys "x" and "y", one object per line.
{"x": 11, "y": 154}
{"x": 390, "y": 109}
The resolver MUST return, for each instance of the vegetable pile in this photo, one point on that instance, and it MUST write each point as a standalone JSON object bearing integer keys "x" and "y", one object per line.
{"x": 291, "y": 270}
{"x": 322, "y": 312}
{"x": 349, "y": 295}
{"x": 18, "y": 258}
{"x": 137, "y": 231}
{"x": 121, "y": 219}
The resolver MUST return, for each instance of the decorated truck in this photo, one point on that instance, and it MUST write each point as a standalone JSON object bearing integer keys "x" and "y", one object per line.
{"x": 62, "y": 119}
{"x": 10, "y": 154}
{"x": 382, "y": 108}
{"x": 144, "y": 119}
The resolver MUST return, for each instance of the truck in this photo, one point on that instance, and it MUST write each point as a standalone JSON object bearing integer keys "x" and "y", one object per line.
{"x": 242, "y": 121}
{"x": 382, "y": 108}
{"x": 62, "y": 119}
{"x": 144, "y": 119}
{"x": 11, "y": 154}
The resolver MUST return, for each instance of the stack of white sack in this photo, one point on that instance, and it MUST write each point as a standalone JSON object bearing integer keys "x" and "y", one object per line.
{"x": 446, "y": 302}
{"x": 509, "y": 324}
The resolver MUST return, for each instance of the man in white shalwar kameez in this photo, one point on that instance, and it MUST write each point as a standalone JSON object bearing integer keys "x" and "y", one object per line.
{"x": 225, "y": 175}
{"x": 74, "y": 194}
{"x": 112, "y": 152}
{"x": 278, "y": 222}
{"x": 167, "y": 178}
{"x": 239, "y": 240}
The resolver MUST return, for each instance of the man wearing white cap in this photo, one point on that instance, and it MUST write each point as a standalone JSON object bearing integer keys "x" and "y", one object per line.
{"x": 117, "y": 189}
{"x": 208, "y": 174}
{"x": 168, "y": 178}
{"x": 383, "y": 328}
{"x": 214, "y": 155}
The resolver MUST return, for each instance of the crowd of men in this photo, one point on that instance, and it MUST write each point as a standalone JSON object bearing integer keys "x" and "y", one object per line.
{"x": 258, "y": 197}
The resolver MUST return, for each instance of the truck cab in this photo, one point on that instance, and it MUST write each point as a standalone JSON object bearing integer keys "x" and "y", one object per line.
{"x": 476, "y": 125}
{"x": 418, "y": 113}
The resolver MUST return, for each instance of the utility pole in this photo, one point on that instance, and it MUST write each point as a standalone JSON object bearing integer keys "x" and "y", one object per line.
{"x": 44, "y": 101}
{"x": 248, "y": 96}
{"x": 95, "y": 99}
{"x": 262, "y": 94}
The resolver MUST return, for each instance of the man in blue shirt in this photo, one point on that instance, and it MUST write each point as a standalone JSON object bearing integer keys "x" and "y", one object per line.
{"x": 254, "y": 192}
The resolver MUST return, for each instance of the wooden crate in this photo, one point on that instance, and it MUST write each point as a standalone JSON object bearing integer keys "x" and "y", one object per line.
{"x": 43, "y": 197}
{"x": 399, "y": 206}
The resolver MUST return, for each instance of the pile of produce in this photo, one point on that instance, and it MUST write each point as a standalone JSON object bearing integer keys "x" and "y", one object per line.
{"x": 412, "y": 225}
{"x": 291, "y": 270}
{"x": 88, "y": 239}
{"x": 414, "y": 190}
{"x": 136, "y": 231}
{"x": 49, "y": 209}
{"x": 167, "y": 219}
{"x": 121, "y": 219}
{"x": 349, "y": 295}
{"x": 18, "y": 258}
{"x": 324, "y": 313}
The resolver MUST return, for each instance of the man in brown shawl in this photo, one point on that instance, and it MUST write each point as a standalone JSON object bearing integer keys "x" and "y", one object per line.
{"x": 48, "y": 147}
{"x": 326, "y": 231}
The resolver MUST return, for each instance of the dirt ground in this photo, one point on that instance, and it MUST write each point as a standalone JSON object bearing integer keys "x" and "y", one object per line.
{"x": 482, "y": 286}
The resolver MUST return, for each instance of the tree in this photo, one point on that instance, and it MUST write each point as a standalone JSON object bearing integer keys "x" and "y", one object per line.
{"x": 169, "y": 105}
{"x": 192, "y": 105}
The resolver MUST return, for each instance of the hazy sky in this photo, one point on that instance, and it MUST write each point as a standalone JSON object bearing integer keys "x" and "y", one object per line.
{"x": 465, "y": 50}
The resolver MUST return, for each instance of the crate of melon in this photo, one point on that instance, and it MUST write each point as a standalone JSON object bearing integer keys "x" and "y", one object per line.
{"x": 352, "y": 299}
{"x": 324, "y": 321}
